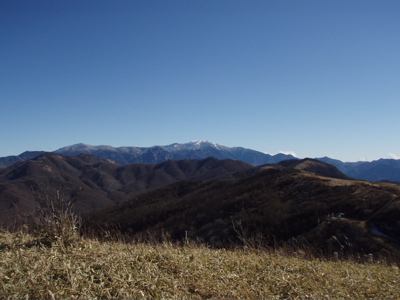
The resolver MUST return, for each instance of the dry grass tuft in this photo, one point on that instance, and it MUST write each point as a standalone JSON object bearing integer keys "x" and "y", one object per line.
{"x": 93, "y": 269}
{"x": 56, "y": 221}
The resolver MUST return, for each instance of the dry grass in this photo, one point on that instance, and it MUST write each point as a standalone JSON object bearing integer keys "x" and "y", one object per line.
{"x": 93, "y": 269}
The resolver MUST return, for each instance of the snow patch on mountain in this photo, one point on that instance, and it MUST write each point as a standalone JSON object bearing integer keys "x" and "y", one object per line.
{"x": 198, "y": 144}
{"x": 193, "y": 145}
{"x": 289, "y": 153}
{"x": 394, "y": 156}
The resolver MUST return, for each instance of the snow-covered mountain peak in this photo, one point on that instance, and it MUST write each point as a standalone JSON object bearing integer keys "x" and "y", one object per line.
{"x": 197, "y": 142}
{"x": 204, "y": 143}
{"x": 193, "y": 145}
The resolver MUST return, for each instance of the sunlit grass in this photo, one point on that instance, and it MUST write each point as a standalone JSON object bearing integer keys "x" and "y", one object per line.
{"x": 93, "y": 269}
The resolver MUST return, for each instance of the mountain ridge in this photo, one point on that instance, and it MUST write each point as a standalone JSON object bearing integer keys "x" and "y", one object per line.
{"x": 377, "y": 170}
{"x": 272, "y": 205}
{"x": 209, "y": 197}
{"x": 197, "y": 149}
{"x": 104, "y": 182}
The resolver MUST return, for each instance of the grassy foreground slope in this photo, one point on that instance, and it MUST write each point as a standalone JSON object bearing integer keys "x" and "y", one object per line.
{"x": 92, "y": 269}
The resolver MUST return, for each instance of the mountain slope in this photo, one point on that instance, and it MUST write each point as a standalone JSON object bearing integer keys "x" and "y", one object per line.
{"x": 104, "y": 182}
{"x": 315, "y": 167}
{"x": 272, "y": 205}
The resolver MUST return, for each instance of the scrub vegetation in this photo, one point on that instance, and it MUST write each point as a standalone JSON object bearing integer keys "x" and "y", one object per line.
{"x": 90, "y": 268}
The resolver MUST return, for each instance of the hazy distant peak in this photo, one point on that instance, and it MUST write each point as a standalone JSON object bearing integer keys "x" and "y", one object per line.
{"x": 79, "y": 146}
{"x": 76, "y": 146}
{"x": 84, "y": 147}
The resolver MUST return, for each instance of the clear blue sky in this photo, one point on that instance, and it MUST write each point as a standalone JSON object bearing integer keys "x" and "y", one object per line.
{"x": 317, "y": 77}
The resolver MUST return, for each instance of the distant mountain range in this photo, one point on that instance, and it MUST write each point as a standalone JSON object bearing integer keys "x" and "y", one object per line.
{"x": 193, "y": 150}
{"x": 156, "y": 154}
{"x": 378, "y": 170}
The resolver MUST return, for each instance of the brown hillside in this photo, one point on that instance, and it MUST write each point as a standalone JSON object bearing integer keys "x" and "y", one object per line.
{"x": 270, "y": 207}
{"x": 315, "y": 167}
{"x": 105, "y": 183}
